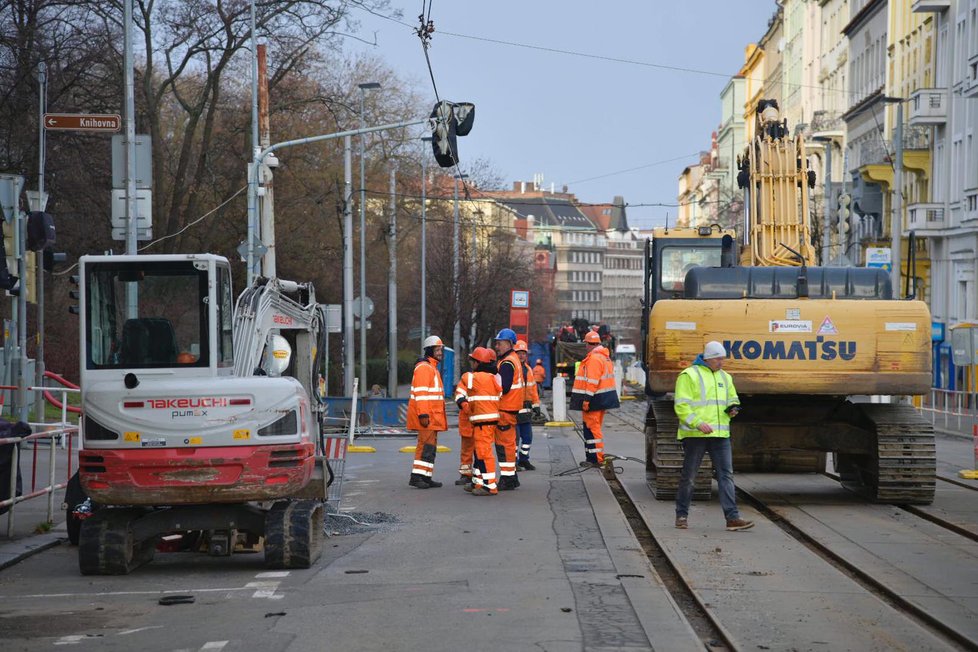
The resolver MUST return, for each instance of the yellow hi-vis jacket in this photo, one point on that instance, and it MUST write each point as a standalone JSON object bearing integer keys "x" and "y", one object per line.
{"x": 704, "y": 395}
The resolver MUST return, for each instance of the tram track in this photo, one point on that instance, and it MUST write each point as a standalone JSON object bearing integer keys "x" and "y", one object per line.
{"x": 869, "y": 578}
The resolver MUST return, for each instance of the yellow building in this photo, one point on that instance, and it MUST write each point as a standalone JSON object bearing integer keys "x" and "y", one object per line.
{"x": 753, "y": 73}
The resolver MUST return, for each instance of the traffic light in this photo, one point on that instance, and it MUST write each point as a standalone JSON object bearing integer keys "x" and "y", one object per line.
{"x": 52, "y": 258}
{"x": 450, "y": 120}
{"x": 74, "y": 294}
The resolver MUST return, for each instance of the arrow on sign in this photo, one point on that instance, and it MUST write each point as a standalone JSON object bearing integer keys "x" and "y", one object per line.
{"x": 105, "y": 122}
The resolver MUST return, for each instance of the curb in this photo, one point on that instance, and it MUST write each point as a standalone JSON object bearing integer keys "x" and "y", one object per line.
{"x": 17, "y": 551}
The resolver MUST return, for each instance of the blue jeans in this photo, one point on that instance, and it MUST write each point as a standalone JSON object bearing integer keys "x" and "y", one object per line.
{"x": 720, "y": 453}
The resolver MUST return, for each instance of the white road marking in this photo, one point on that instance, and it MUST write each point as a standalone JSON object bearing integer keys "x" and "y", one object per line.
{"x": 101, "y": 594}
{"x": 214, "y": 645}
{"x": 71, "y": 639}
{"x": 126, "y": 632}
{"x": 274, "y": 574}
{"x": 266, "y": 590}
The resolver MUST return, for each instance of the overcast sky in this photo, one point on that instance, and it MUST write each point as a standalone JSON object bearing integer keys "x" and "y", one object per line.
{"x": 611, "y": 98}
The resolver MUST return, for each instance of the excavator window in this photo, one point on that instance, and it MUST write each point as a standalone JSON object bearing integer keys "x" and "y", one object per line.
{"x": 677, "y": 261}
{"x": 146, "y": 315}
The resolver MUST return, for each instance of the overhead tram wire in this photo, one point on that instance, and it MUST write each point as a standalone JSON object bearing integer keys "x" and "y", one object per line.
{"x": 611, "y": 59}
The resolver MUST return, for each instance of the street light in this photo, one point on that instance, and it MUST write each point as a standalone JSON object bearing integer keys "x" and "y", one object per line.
{"x": 425, "y": 145}
{"x": 364, "y": 87}
{"x": 896, "y": 219}
{"x": 457, "y": 329}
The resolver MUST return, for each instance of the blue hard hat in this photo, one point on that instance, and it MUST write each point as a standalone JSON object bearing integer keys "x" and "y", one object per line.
{"x": 507, "y": 334}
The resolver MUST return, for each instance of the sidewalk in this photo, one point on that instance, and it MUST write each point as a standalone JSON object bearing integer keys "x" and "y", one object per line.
{"x": 24, "y": 530}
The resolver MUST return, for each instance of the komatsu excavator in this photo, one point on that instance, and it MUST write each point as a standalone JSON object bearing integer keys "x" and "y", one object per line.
{"x": 199, "y": 417}
{"x": 821, "y": 356}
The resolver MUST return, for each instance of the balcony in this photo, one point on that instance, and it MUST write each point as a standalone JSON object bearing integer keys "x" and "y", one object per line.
{"x": 876, "y": 151}
{"x": 928, "y": 106}
{"x": 930, "y": 6}
{"x": 925, "y": 219}
{"x": 827, "y": 123}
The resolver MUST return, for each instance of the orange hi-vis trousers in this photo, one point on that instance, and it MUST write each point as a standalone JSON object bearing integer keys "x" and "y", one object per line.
{"x": 593, "y": 438}
{"x": 424, "y": 453}
{"x": 484, "y": 467}
{"x": 506, "y": 448}
{"x": 466, "y": 450}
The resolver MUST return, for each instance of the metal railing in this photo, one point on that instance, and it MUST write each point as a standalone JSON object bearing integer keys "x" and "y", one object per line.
{"x": 56, "y": 434}
{"x": 950, "y": 408}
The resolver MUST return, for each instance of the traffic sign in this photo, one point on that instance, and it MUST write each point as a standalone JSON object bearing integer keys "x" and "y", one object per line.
{"x": 82, "y": 122}
{"x": 368, "y": 305}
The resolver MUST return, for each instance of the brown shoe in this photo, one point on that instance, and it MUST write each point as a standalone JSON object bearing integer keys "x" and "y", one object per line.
{"x": 469, "y": 487}
{"x": 735, "y": 524}
{"x": 682, "y": 522}
{"x": 482, "y": 491}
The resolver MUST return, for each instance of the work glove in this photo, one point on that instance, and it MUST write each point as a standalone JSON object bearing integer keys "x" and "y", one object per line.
{"x": 536, "y": 411}
{"x": 463, "y": 405}
{"x": 586, "y": 406}
{"x": 424, "y": 420}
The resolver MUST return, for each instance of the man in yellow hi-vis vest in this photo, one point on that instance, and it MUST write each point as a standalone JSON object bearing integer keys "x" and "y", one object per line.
{"x": 705, "y": 401}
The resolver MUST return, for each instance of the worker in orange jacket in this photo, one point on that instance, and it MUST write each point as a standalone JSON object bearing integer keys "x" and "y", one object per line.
{"x": 539, "y": 375}
{"x": 465, "y": 431}
{"x": 510, "y": 371}
{"x": 479, "y": 399}
{"x": 531, "y": 403}
{"x": 426, "y": 412}
{"x": 594, "y": 393}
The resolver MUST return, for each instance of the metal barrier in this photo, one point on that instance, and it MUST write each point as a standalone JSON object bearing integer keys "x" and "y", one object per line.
{"x": 950, "y": 408}
{"x": 63, "y": 432}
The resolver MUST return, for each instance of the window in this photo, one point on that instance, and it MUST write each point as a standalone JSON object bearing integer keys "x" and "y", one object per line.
{"x": 146, "y": 315}
{"x": 676, "y": 261}
{"x": 225, "y": 318}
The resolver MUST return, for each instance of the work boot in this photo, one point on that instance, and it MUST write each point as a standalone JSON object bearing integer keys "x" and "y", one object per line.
{"x": 418, "y": 481}
{"x": 482, "y": 491}
{"x": 735, "y": 524}
{"x": 589, "y": 465}
{"x": 469, "y": 487}
{"x": 682, "y": 522}
{"x": 525, "y": 465}
{"x": 463, "y": 479}
{"x": 506, "y": 483}
{"x": 431, "y": 483}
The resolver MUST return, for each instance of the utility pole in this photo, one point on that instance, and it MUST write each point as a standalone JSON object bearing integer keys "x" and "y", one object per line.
{"x": 255, "y": 148}
{"x": 457, "y": 327}
{"x": 364, "y": 87}
{"x": 426, "y": 140}
{"x": 130, "y": 127}
{"x": 42, "y": 201}
{"x": 392, "y": 291}
{"x": 266, "y": 230}
{"x": 896, "y": 223}
{"x": 347, "y": 266}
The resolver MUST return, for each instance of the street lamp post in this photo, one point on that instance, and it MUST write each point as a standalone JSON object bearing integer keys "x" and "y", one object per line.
{"x": 364, "y": 87}
{"x": 896, "y": 218}
{"x": 457, "y": 329}
{"x": 426, "y": 141}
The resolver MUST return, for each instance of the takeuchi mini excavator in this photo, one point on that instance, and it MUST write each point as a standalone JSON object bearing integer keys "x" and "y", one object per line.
{"x": 201, "y": 421}
{"x": 821, "y": 356}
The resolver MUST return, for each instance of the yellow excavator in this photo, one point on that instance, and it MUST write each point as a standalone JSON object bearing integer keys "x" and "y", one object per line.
{"x": 822, "y": 356}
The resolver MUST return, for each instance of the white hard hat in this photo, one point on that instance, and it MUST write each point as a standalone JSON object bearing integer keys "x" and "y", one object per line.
{"x": 432, "y": 340}
{"x": 714, "y": 350}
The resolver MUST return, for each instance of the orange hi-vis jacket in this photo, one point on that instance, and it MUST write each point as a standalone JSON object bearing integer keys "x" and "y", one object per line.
{"x": 481, "y": 389}
{"x": 532, "y": 390}
{"x": 427, "y": 397}
{"x": 539, "y": 373}
{"x": 594, "y": 383}
{"x": 461, "y": 390}
{"x": 512, "y": 401}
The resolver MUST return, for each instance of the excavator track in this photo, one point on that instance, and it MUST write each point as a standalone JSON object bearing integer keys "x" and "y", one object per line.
{"x": 107, "y": 545}
{"x": 904, "y": 469}
{"x": 664, "y": 455}
{"x": 294, "y": 534}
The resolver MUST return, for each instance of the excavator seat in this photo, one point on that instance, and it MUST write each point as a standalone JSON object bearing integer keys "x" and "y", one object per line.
{"x": 147, "y": 341}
